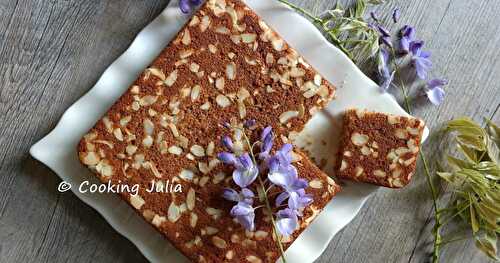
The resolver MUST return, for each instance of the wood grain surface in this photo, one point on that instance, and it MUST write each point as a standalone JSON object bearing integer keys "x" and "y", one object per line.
{"x": 53, "y": 51}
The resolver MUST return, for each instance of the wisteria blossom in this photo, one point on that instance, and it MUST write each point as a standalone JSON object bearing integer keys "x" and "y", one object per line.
{"x": 275, "y": 168}
{"x": 385, "y": 35}
{"x": 420, "y": 59}
{"x": 245, "y": 214}
{"x": 396, "y": 14}
{"x": 435, "y": 92}
{"x": 407, "y": 36}
{"x": 287, "y": 221}
{"x": 385, "y": 75}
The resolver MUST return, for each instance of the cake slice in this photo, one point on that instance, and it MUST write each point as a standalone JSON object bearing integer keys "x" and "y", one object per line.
{"x": 379, "y": 148}
{"x": 225, "y": 66}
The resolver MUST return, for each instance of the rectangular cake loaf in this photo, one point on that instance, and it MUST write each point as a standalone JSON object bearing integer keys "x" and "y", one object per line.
{"x": 379, "y": 148}
{"x": 225, "y": 66}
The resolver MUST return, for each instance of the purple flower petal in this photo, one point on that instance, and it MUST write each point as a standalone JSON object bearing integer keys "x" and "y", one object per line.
{"x": 383, "y": 31}
{"x": 383, "y": 59}
{"x": 294, "y": 201}
{"x": 227, "y": 158}
{"x": 435, "y": 95}
{"x": 404, "y": 45}
{"x": 245, "y": 196}
{"x": 287, "y": 222}
{"x": 300, "y": 183}
{"x": 422, "y": 65}
{"x": 245, "y": 215}
{"x": 246, "y": 172}
{"x": 227, "y": 143}
{"x": 195, "y": 2}
{"x": 425, "y": 54}
{"x": 241, "y": 209}
{"x": 266, "y": 132}
{"x": 396, "y": 14}
{"x": 249, "y": 123}
{"x": 281, "y": 198}
{"x": 185, "y": 6}
{"x": 374, "y": 16}
{"x": 386, "y": 40}
{"x": 247, "y": 193}
{"x": 435, "y": 92}
{"x": 267, "y": 143}
{"x": 437, "y": 83}
{"x": 416, "y": 47}
{"x": 420, "y": 59}
{"x": 245, "y": 161}
{"x": 231, "y": 195}
{"x": 386, "y": 83}
{"x": 286, "y": 148}
{"x": 407, "y": 36}
{"x": 386, "y": 77}
{"x": 281, "y": 177}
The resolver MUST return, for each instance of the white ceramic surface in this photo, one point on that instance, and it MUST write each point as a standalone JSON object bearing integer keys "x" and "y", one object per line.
{"x": 57, "y": 149}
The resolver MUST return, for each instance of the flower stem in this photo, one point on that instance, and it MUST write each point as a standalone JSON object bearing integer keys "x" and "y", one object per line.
{"x": 401, "y": 82}
{"x": 270, "y": 210}
{"x": 437, "y": 226}
{"x": 266, "y": 201}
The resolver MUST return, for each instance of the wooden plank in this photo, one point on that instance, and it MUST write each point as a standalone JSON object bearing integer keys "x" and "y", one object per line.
{"x": 51, "y": 52}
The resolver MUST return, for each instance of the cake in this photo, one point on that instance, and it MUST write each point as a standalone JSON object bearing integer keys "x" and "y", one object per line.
{"x": 379, "y": 148}
{"x": 225, "y": 66}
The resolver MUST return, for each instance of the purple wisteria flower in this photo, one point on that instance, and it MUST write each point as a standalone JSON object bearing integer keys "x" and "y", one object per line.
{"x": 227, "y": 143}
{"x": 407, "y": 36}
{"x": 385, "y": 75}
{"x": 187, "y": 6}
{"x": 245, "y": 214}
{"x": 396, "y": 14}
{"x": 246, "y": 195}
{"x": 246, "y": 171}
{"x": 280, "y": 172}
{"x": 385, "y": 35}
{"x": 420, "y": 58}
{"x": 266, "y": 138}
{"x": 435, "y": 92}
{"x": 287, "y": 221}
{"x": 374, "y": 16}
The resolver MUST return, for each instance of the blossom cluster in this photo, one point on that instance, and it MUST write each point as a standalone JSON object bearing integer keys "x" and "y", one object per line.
{"x": 408, "y": 45}
{"x": 280, "y": 173}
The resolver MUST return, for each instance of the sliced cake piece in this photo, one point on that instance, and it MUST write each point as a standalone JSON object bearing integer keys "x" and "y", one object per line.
{"x": 225, "y": 66}
{"x": 379, "y": 148}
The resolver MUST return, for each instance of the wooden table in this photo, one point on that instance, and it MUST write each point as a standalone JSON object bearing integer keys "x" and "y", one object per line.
{"x": 52, "y": 52}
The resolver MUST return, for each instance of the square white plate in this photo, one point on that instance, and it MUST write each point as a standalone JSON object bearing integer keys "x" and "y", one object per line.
{"x": 58, "y": 149}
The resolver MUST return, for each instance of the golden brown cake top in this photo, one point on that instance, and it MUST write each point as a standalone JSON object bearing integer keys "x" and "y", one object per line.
{"x": 379, "y": 148}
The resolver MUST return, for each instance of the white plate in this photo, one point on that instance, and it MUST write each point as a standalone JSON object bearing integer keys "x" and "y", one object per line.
{"x": 58, "y": 149}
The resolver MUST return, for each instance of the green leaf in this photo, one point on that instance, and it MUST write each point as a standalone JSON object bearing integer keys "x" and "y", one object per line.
{"x": 446, "y": 176}
{"x": 475, "y": 181}
{"x": 360, "y": 8}
{"x": 488, "y": 244}
{"x": 473, "y": 219}
{"x": 459, "y": 163}
{"x": 493, "y": 131}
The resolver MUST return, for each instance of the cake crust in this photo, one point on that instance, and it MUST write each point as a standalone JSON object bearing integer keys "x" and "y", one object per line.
{"x": 379, "y": 148}
{"x": 225, "y": 66}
